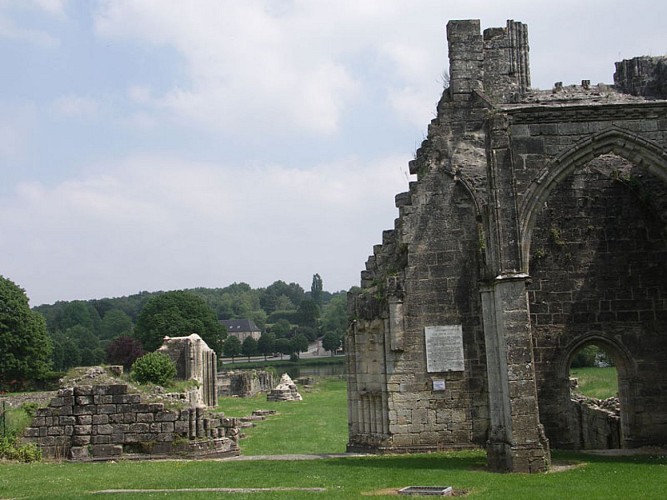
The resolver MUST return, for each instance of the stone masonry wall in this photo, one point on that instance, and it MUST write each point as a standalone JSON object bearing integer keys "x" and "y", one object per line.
{"x": 597, "y": 272}
{"x": 244, "y": 383}
{"x": 194, "y": 360}
{"x": 515, "y": 233}
{"x": 645, "y": 76}
{"x": 100, "y": 422}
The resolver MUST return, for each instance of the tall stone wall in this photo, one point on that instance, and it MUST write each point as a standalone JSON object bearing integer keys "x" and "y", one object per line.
{"x": 194, "y": 361}
{"x": 536, "y": 225}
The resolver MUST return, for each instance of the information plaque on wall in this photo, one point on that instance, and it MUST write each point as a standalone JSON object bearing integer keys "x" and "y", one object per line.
{"x": 444, "y": 348}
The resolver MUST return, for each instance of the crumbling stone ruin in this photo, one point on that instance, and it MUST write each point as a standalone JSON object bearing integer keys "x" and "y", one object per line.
{"x": 194, "y": 360}
{"x": 286, "y": 390}
{"x": 536, "y": 226}
{"x": 244, "y": 383}
{"x": 109, "y": 420}
{"x": 598, "y": 421}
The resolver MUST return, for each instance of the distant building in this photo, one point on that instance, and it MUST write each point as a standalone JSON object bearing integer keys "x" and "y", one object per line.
{"x": 242, "y": 328}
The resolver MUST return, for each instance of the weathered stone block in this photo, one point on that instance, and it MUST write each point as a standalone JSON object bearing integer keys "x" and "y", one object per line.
{"x": 83, "y": 429}
{"x": 100, "y": 419}
{"x": 107, "y": 450}
{"x": 79, "y": 452}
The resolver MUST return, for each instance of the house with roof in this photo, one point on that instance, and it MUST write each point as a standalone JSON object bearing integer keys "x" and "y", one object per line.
{"x": 242, "y": 328}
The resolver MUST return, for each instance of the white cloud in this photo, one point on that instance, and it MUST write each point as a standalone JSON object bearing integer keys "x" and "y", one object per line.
{"x": 152, "y": 222}
{"x": 246, "y": 68}
{"x": 16, "y": 124}
{"x": 53, "y": 7}
{"x": 13, "y": 31}
{"x": 76, "y": 106}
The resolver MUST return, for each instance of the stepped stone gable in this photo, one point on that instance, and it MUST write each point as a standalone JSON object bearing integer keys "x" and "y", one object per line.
{"x": 194, "y": 360}
{"x": 107, "y": 421}
{"x": 536, "y": 226}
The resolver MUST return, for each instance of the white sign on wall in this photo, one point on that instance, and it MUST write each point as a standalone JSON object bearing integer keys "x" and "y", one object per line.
{"x": 444, "y": 348}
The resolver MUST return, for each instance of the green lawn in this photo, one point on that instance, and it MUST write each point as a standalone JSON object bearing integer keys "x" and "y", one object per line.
{"x": 601, "y": 383}
{"x": 593, "y": 477}
{"x": 318, "y": 425}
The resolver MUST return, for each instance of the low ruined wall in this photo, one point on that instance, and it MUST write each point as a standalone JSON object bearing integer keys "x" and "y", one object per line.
{"x": 244, "y": 383}
{"x": 598, "y": 423}
{"x": 106, "y": 421}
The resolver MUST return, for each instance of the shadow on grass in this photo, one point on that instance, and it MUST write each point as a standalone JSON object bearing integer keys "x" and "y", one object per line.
{"x": 467, "y": 461}
{"x": 651, "y": 457}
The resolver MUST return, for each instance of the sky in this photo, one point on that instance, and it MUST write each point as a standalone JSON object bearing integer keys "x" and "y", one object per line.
{"x": 153, "y": 145}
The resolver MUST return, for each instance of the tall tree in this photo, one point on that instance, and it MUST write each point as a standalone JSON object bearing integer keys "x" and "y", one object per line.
{"x": 266, "y": 344}
{"x": 331, "y": 342}
{"x": 249, "y": 347}
{"x": 25, "y": 349}
{"x": 231, "y": 347}
{"x": 283, "y": 346}
{"x": 334, "y": 315}
{"x": 308, "y": 313}
{"x": 178, "y": 314}
{"x": 299, "y": 344}
{"x": 316, "y": 290}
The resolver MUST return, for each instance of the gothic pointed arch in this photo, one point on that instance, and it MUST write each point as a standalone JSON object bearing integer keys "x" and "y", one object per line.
{"x": 632, "y": 147}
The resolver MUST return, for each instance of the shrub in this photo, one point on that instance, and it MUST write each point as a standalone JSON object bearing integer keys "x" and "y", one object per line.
{"x": 12, "y": 449}
{"x": 154, "y": 367}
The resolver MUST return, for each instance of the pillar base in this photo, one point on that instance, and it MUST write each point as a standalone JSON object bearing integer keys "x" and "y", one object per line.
{"x": 504, "y": 457}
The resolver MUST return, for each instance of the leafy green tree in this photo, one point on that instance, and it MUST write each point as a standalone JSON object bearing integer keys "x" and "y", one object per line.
{"x": 266, "y": 344}
{"x": 123, "y": 350}
{"x": 334, "y": 315}
{"x": 311, "y": 333}
{"x": 78, "y": 313}
{"x": 231, "y": 347}
{"x": 90, "y": 349}
{"x": 249, "y": 347}
{"x": 154, "y": 367}
{"x": 281, "y": 329}
{"x": 283, "y": 346}
{"x": 65, "y": 353}
{"x": 331, "y": 342}
{"x": 115, "y": 323}
{"x": 316, "y": 290}
{"x": 178, "y": 314}
{"x": 270, "y": 298}
{"x": 308, "y": 313}
{"x": 25, "y": 349}
{"x": 299, "y": 344}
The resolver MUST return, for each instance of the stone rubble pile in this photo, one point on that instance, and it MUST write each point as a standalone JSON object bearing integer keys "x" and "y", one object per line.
{"x": 285, "y": 390}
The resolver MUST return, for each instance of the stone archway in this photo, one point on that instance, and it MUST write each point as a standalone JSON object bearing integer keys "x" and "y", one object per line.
{"x": 579, "y": 432}
{"x": 620, "y": 142}
{"x": 597, "y": 264}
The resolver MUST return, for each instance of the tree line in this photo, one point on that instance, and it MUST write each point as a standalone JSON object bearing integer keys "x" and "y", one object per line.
{"x": 118, "y": 330}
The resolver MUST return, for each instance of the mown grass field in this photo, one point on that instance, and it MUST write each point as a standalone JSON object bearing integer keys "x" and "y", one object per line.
{"x": 601, "y": 383}
{"x": 318, "y": 425}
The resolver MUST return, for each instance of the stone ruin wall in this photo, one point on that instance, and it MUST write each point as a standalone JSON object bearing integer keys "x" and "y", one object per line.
{"x": 537, "y": 224}
{"x": 194, "y": 360}
{"x": 244, "y": 383}
{"x": 102, "y": 422}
